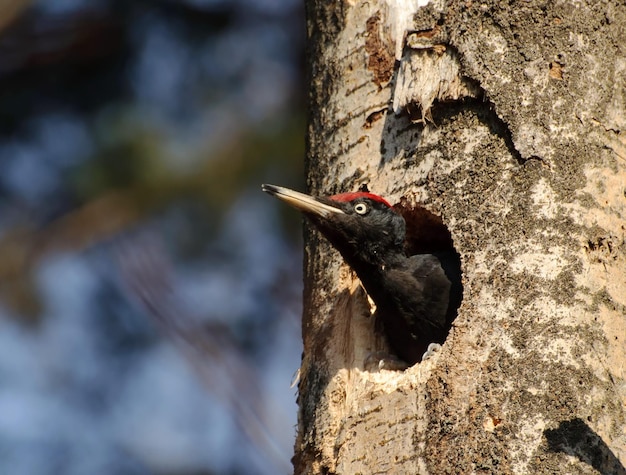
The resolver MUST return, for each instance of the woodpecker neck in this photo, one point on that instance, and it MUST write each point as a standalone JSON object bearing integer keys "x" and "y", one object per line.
{"x": 372, "y": 259}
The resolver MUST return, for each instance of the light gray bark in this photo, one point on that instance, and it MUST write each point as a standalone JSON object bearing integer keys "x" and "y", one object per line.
{"x": 507, "y": 120}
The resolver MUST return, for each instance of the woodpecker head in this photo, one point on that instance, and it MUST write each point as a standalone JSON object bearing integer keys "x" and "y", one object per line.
{"x": 364, "y": 227}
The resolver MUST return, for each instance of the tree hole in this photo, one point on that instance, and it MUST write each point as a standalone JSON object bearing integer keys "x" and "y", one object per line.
{"x": 426, "y": 233}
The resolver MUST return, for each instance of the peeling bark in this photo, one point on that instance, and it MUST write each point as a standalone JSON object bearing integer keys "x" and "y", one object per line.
{"x": 524, "y": 159}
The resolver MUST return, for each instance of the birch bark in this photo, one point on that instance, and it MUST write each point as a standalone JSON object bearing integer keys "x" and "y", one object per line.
{"x": 507, "y": 120}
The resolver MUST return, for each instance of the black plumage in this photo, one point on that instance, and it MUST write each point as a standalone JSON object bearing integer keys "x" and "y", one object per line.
{"x": 416, "y": 296}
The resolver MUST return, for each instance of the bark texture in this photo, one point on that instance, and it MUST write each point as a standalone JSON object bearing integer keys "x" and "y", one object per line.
{"x": 506, "y": 119}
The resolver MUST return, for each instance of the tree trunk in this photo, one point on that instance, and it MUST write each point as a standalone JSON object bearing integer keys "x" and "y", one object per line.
{"x": 506, "y": 119}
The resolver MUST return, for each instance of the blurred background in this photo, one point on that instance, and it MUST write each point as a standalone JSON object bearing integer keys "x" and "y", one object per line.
{"x": 150, "y": 293}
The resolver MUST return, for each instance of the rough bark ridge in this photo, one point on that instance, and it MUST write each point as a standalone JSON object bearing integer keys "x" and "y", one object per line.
{"x": 506, "y": 119}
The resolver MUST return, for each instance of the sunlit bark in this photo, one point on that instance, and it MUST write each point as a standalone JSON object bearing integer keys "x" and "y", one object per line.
{"x": 507, "y": 121}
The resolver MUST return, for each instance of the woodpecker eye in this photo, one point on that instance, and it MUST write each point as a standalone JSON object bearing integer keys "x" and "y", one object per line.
{"x": 361, "y": 208}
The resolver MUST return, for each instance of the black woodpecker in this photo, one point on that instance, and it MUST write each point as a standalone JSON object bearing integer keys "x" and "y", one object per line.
{"x": 416, "y": 296}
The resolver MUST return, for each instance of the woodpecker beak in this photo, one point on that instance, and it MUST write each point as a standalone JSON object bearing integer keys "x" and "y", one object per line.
{"x": 305, "y": 203}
